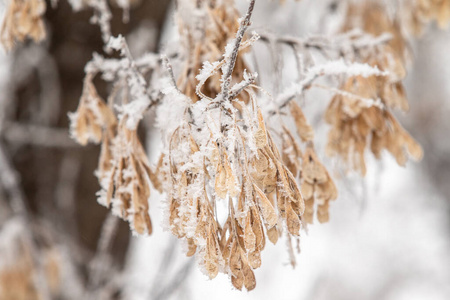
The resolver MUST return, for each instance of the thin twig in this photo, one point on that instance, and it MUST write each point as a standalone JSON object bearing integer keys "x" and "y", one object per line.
{"x": 100, "y": 263}
{"x": 238, "y": 88}
{"x": 326, "y": 69}
{"x": 169, "y": 68}
{"x": 175, "y": 284}
{"x": 164, "y": 266}
{"x": 10, "y": 180}
{"x": 229, "y": 67}
{"x": 36, "y": 135}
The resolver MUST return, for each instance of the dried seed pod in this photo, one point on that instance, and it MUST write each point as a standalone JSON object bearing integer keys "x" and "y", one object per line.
{"x": 307, "y": 190}
{"x": 322, "y": 212}
{"x": 317, "y": 188}
{"x": 291, "y": 152}
{"x": 308, "y": 215}
{"x": 266, "y": 208}
{"x": 238, "y": 280}
{"x": 249, "y": 277}
{"x": 293, "y": 221}
{"x": 249, "y": 235}
{"x": 261, "y": 133}
{"x": 235, "y": 259}
{"x": 304, "y": 130}
{"x": 231, "y": 180}
{"x": 92, "y": 117}
{"x": 312, "y": 170}
{"x": 254, "y": 259}
{"x": 257, "y": 228}
{"x": 126, "y": 184}
{"x": 272, "y": 234}
{"x": 192, "y": 247}
{"x": 212, "y": 253}
{"x": 221, "y": 181}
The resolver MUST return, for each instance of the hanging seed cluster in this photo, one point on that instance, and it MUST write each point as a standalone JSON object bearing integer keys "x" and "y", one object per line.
{"x": 205, "y": 40}
{"x": 419, "y": 13}
{"x": 355, "y": 126}
{"x": 317, "y": 186}
{"x": 92, "y": 117}
{"x": 28, "y": 269}
{"x": 23, "y": 19}
{"x": 241, "y": 171}
{"x": 123, "y": 170}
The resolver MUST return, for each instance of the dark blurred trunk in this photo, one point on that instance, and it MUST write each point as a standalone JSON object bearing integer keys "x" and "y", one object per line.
{"x": 59, "y": 182}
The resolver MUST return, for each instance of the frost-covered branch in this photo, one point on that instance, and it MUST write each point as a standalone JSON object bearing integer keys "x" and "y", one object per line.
{"x": 169, "y": 68}
{"x": 331, "y": 68}
{"x": 102, "y": 17}
{"x": 241, "y": 86}
{"x": 110, "y": 67}
{"x": 232, "y": 50}
{"x": 43, "y": 136}
{"x": 349, "y": 42}
{"x": 100, "y": 264}
{"x": 134, "y": 110}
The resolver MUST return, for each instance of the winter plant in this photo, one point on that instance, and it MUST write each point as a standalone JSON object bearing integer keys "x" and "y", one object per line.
{"x": 239, "y": 166}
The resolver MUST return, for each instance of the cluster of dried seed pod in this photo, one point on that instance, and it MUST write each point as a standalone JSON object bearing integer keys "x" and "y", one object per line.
{"x": 93, "y": 116}
{"x": 421, "y": 12}
{"x": 126, "y": 183}
{"x": 123, "y": 170}
{"x": 317, "y": 186}
{"x": 204, "y": 41}
{"x": 241, "y": 172}
{"x": 23, "y": 19}
{"x": 28, "y": 271}
{"x": 223, "y": 159}
{"x": 355, "y": 124}
{"x": 18, "y": 282}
